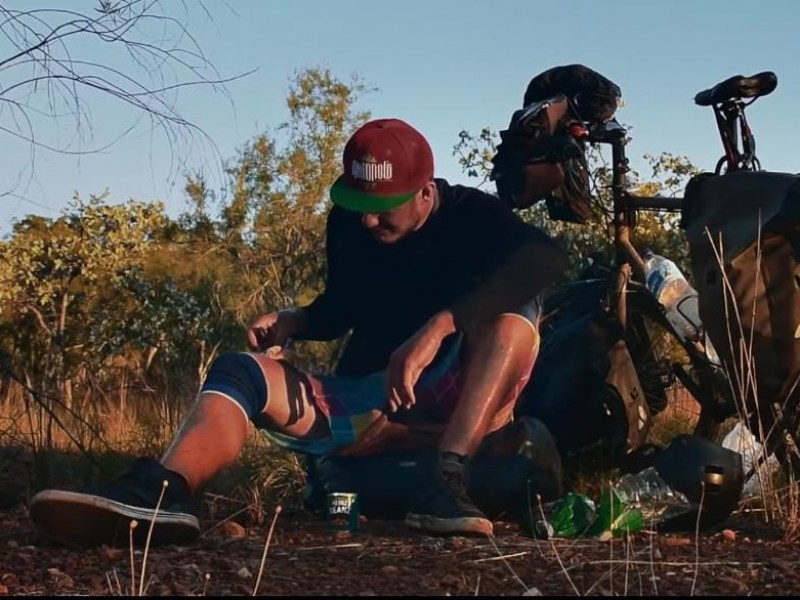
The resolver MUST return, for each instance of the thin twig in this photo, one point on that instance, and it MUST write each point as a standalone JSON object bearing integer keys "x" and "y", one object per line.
{"x": 500, "y": 557}
{"x": 514, "y": 573}
{"x": 266, "y": 548}
{"x": 133, "y": 525}
{"x": 555, "y": 550}
{"x": 697, "y": 537}
{"x": 353, "y": 545}
{"x": 731, "y": 563}
{"x": 164, "y": 486}
{"x": 653, "y": 578}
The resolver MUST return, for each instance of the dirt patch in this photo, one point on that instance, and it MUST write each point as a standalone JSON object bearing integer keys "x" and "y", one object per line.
{"x": 385, "y": 558}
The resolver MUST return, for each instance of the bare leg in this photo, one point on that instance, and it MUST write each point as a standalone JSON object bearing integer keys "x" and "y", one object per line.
{"x": 500, "y": 355}
{"x": 209, "y": 439}
{"x": 216, "y": 428}
{"x": 498, "y": 358}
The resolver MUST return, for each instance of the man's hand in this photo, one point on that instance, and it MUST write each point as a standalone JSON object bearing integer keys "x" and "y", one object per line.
{"x": 410, "y": 359}
{"x": 274, "y": 329}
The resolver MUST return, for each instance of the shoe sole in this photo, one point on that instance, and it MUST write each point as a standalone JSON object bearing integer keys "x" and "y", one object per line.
{"x": 459, "y": 526}
{"x": 77, "y": 519}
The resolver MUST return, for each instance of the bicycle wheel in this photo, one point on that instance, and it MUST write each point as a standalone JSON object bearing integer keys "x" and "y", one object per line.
{"x": 686, "y": 393}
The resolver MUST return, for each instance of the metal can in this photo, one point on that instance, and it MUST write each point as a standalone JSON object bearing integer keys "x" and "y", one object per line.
{"x": 343, "y": 511}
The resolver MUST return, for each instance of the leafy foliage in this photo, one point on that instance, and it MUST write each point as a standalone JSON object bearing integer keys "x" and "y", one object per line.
{"x": 111, "y": 299}
{"x": 119, "y": 296}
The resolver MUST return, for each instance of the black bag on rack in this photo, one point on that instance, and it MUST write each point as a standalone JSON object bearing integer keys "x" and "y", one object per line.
{"x": 540, "y": 134}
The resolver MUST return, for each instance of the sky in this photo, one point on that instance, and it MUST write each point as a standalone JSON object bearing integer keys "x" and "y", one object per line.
{"x": 442, "y": 65}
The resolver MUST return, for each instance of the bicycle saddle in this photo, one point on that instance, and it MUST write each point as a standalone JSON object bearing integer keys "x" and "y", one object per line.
{"x": 738, "y": 87}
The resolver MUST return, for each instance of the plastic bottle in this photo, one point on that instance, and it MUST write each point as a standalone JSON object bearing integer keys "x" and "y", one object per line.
{"x": 652, "y": 496}
{"x": 633, "y": 502}
{"x": 636, "y": 501}
{"x": 669, "y": 285}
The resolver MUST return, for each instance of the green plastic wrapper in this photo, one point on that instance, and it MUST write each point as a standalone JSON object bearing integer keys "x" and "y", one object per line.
{"x": 572, "y": 516}
{"x": 616, "y": 516}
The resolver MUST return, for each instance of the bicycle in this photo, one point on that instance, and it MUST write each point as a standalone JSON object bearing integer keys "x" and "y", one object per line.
{"x": 661, "y": 356}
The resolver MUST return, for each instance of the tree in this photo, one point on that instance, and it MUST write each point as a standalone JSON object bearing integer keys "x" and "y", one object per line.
{"x": 55, "y": 277}
{"x": 57, "y": 64}
{"x": 120, "y": 306}
{"x": 272, "y": 227}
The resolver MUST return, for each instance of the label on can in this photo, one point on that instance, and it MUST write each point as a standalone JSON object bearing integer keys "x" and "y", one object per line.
{"x": 343, "y": 511}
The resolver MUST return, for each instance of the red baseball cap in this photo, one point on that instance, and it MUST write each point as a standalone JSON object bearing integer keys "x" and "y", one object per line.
{"x": 386, "y": 162}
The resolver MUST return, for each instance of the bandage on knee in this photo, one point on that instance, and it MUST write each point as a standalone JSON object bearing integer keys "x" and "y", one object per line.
{"x": 238, "y": 376}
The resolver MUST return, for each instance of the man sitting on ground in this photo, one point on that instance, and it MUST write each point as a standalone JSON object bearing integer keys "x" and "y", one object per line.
{"x": 437, "y": 285}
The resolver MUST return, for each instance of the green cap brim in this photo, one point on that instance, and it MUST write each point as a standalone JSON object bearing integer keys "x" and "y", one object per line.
{"x": 347, "y": 197}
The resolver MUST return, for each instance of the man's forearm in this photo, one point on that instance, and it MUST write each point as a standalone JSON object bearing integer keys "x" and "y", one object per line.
{"x": 322, "y": 320}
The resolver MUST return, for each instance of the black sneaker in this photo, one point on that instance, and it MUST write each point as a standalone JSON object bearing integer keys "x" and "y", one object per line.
{"x": 445, "y": 508}
{"x": 102, "y": 514}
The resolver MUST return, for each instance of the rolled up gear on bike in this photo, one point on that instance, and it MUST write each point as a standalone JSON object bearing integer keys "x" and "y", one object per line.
{"x": 542, "y": 132}
{"x": 593, "y": 97}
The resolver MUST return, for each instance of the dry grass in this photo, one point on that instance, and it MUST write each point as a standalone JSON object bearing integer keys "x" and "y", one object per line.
{"x": 61, "y": 450}
{"x": 779, "y": 494}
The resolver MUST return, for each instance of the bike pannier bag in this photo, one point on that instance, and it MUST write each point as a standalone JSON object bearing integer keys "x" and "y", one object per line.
{"x": 743, "y": 230}
{"x": 584, "y": 386}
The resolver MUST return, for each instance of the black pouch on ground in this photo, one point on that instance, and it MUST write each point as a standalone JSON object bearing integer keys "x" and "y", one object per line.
{"x": 708, "y": 474}
{"x": 499, "y": 484}
{"x": 743, "y": 230}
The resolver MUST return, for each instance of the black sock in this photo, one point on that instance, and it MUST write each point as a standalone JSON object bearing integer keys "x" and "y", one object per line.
{"x": 452, "y": 464}
{"x": 452, "y": 457}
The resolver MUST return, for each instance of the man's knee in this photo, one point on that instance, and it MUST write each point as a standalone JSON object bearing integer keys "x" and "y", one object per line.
{"x": 517, "y": 330}
{"x": 240, "y": 377}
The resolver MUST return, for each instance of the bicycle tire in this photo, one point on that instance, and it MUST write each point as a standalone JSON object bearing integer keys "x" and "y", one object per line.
{"x": 685, "y": 392}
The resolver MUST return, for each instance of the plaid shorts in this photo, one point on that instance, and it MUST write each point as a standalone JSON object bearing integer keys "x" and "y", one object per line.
{"x": 353, "y": 404}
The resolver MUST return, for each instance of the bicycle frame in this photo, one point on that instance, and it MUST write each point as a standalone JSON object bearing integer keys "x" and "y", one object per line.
{"x": 627, "y": 298}
{"x": 625, "y": 204}
{"x": 727, "y": 100}
{"x": 731, "y": 120}
{"x": 625, "y": 207}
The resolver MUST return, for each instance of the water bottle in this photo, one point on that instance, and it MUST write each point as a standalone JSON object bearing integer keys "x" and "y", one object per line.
{"x": 665, "y": 280}
{"x": 668, "y": 284}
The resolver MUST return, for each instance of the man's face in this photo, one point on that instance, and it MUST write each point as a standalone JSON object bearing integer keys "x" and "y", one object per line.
{"x": 393, "y": 225}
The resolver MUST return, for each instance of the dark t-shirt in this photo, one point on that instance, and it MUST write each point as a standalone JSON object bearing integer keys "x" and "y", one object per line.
{"x": 385, "y": 292}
